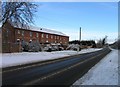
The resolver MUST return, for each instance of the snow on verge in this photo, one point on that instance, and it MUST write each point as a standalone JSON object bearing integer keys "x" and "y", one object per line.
{"x": 103, "y": 73}
{"x": 13, "y": 59}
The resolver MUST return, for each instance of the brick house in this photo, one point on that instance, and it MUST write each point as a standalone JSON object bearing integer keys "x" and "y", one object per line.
{"x": 11, "y": 34}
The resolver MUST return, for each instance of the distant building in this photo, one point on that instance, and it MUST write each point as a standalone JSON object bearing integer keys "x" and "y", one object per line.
{"x": 11, "y": 34}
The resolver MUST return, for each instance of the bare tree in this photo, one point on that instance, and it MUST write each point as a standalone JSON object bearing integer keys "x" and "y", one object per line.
{"x": 99, "y": 43}
{"x": 18, "y": 12}
{"x": 0, "y": 11}
{"x": 104, "y": 40}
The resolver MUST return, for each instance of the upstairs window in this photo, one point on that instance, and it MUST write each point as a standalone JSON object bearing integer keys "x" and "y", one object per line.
{"x": 42, "y": 35}
{"x": 60, "y": 38}
{"x": 30, "y": 34}
{"x": 22, "y": 33}
{"x": 37, "y": 35}
{"x": 46, "y": 35}
{"x": 51, "y": 36}
{"x": 18, "y": 31}
{"x": 7, "y": 32}
{"x": 55, "y": 37}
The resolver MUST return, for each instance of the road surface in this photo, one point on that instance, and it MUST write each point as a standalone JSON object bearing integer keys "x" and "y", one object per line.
{"x": 57, "y": 72}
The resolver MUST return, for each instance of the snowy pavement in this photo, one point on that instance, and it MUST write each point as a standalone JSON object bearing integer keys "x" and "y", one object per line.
{"x": 103, "y": 73}
{"x": 13, "y": 59}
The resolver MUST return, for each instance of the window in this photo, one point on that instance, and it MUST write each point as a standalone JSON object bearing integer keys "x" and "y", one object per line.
{"x": 18, "y": 31}
{"x": 37, "y": 35}
{"x": 57, "y": 37}
{"x": 42, "y": 41}
{"x": 30, "y": 34}
{"x": 51, "y": 36}
{"x": 46, "y": 41}
{"x": 7, "y": 33}
{"x": 60, "y": 38}
{"x": 42, "y": 35}
{"x": 46, "y": 35}
{"x": 22, "y": 33}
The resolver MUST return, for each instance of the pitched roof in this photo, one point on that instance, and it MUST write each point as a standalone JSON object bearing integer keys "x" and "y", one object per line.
{"x": 39, "y": 29}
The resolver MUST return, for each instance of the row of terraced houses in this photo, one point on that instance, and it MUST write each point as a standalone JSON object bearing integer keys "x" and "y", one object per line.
{"x": 11, "y": 34}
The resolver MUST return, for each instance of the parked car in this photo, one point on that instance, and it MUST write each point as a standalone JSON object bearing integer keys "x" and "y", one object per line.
{"x": 61, "y": 48}
{"x": 47, "y": 48}
{"x": 53, "y": 47}
{"x": 75, "y": 47}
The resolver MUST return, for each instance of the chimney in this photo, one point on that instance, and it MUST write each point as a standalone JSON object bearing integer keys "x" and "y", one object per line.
{"x": 80, "y": 35}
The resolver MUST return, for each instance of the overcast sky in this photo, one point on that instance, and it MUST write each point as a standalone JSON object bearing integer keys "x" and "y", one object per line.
{"x": 96, "y": 19}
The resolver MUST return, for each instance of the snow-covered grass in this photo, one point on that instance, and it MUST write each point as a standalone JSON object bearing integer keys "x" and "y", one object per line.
{"x": 13, "y": 59}
{"x": 103, "y": 73}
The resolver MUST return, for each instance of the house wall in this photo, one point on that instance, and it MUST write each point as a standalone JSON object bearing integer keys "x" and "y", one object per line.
{"x": 10, "y": 35}
{"x": 8, "y": 39}
{"x": 42, "y": 37}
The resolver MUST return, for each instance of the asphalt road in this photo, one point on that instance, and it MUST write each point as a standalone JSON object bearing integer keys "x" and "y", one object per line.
{"x": 57, "y": 72}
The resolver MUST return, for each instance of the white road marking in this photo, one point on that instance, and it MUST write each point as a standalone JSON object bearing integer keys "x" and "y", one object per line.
{"x": 60, "y": 71}
{"x": 32, "y": 66}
